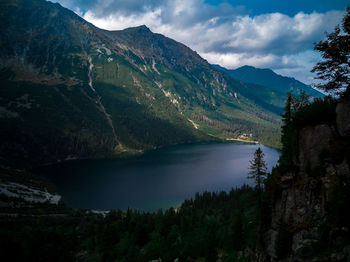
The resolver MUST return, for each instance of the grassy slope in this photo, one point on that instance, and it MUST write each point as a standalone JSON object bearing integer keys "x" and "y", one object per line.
{"x": 150, "y": 95}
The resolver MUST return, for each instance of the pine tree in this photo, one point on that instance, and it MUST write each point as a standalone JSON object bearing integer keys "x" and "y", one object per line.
{"x": 289, "y": 132}
{"x": 258, "y": 172}
{"x": 334, "y": 70}
{"x": 258, "y": 169}
{"x": 300, "y": 101}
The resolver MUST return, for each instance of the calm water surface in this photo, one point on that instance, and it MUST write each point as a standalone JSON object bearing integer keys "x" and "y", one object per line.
{"x": 159, "y": 179}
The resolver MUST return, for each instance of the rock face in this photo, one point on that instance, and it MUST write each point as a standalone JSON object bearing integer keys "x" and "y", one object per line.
{"x": 302, "y": 213}
{"x": 343, "y": 116}
{"x": 312, "y": 140}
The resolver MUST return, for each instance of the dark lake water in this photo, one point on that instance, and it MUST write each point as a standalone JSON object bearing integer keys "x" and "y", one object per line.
{"x": 158, "y": 179}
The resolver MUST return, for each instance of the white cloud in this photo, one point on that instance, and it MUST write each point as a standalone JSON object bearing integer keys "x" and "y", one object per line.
{"x": 292, "y": 65}
{"x": 224, "y": 34}
{"x": 303, "y": 62}
{"x": 234, "y": 60}
{"x": 118, "y": 22}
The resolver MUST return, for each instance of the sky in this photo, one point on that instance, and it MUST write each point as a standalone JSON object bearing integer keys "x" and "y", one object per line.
{"x": 276, "y": 34}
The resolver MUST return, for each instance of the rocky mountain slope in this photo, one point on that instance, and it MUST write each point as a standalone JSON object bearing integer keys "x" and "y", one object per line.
{"x": 71, "y": 90}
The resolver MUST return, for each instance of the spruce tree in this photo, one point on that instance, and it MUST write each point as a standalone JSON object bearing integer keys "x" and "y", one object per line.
{"x": 258, "y": 169}
{"x": 258, "y": 172}
{"x": 334, "y": 70}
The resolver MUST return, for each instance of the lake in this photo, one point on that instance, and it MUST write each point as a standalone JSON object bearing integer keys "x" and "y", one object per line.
{"x": 157, "y": 179}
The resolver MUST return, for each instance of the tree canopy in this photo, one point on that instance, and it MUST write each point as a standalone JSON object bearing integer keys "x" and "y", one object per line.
{"x": 334, "y": 69}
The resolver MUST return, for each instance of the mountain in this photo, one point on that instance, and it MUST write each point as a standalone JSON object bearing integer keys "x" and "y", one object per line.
{"x": 71, "y": 90}
{"x": 267, "y": 77}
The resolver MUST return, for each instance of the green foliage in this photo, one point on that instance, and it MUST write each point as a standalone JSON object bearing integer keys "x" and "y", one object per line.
{"x": 258, "y": 172}
{"x": 288, "y": 137}
{"x": 300, "y": 112}
{"x": 50, "y": 124}
{"x": 258, "y": 168}
{"x": 335, "y": 50}
{"x": 203, "y": 227}
{"x": 320, "y": 111}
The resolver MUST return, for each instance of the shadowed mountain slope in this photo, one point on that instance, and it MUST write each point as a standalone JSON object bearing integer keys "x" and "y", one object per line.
{"x": 71, "y": 90}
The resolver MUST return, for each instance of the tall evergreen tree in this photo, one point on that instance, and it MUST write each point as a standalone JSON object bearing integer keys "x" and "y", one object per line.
{"x": 287, "y": 127}
{"x": 288, "y": 130}
{"x": 258, "y": 169}
{"x": 258, "y": 172}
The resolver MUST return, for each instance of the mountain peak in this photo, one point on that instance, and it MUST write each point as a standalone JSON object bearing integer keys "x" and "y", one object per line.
{"x": 139, "y": 29}
{"x": 247, "y": 67}
{"x": 143, "y": 27}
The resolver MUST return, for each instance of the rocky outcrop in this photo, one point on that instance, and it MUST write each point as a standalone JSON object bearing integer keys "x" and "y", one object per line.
{"x": 312, "y": 140}
{"x": 302, "y": 220}
{"x": 343, "y": 116}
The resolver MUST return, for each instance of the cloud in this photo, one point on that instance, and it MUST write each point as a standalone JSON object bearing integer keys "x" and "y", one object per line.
{"x": 234, "y": 60}
{"x": 223, "y": 34}
{"x": 292, "y": 65}
{"x": 278, "y": 33}
{"x": 117, "y": 22}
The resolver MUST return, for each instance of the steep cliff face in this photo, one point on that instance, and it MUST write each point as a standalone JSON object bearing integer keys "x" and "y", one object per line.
{"x": 310, "y": 220}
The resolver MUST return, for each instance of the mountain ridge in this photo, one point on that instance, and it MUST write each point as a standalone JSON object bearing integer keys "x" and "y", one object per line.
{"x": 90, "y": 92}
{"x": 267, "y": 77}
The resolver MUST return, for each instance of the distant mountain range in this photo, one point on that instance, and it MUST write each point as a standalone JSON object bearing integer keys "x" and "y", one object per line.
{"x": 71, "y": 90}
{"x": 268, "y": 78}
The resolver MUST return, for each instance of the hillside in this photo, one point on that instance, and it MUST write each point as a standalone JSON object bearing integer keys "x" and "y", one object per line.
{"x": 268, "y": 78}
{"x": 71, "y": 90}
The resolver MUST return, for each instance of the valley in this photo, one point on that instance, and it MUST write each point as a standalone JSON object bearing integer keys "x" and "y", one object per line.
{"x": 127, "y": 145}
{"x": 72, "y": 90}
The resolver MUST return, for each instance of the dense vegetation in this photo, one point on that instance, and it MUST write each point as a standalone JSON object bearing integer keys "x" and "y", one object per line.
{"x": 210, "y": 225}
{"x": 334, "y": 69}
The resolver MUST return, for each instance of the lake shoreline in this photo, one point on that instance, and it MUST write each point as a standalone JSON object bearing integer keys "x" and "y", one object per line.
{"x": 242, "y": 140}
{"x": 157, "y": 179}
{"x": 135, "y": 154}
